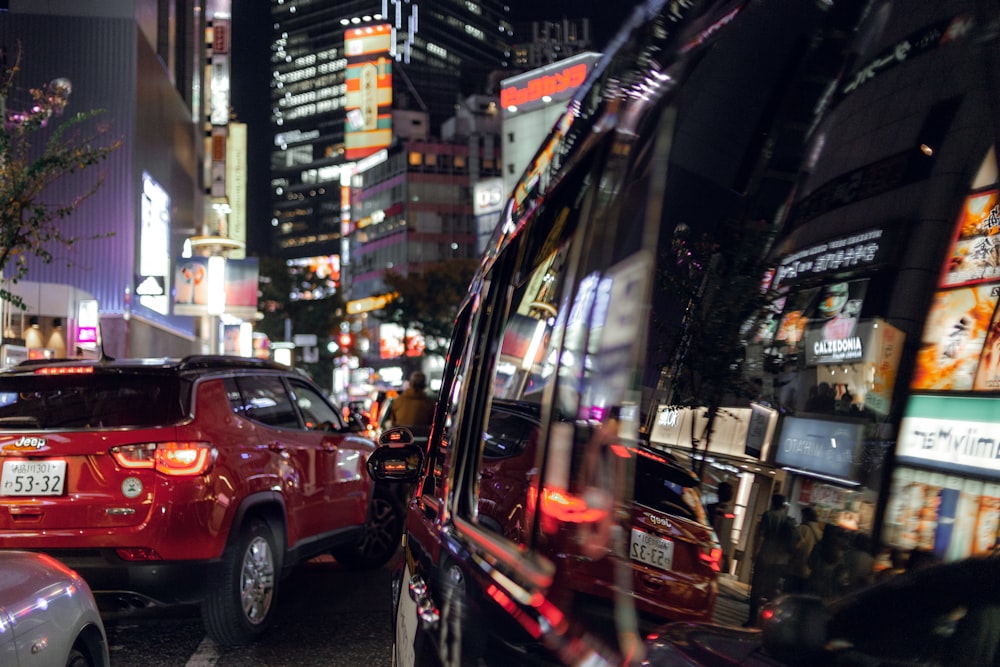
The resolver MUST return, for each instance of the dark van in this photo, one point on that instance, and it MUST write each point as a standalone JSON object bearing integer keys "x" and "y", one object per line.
{"x": 734, "y": 236}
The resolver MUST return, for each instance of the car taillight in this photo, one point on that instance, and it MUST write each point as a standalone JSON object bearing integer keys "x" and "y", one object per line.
{"x": 712, "y": 556}
{"x": 64, "y": 370}
{"x": 169, "y": 458}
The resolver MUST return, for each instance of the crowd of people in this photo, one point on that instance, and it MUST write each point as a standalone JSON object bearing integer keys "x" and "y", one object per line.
{"x": 816, "y": 559}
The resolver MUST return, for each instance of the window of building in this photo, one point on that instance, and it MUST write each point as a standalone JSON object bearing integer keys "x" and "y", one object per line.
{"x": 416, "y": 159}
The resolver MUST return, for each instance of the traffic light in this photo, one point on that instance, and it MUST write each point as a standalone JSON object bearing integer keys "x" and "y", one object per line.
{"x": 344, "y": 340}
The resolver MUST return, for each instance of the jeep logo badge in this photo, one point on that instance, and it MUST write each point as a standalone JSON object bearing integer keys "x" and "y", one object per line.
{"x": 25, "y": 444}
{"x": 657, "y": 521}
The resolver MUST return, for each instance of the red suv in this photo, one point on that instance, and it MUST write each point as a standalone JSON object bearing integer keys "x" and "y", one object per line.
{"x": 200, "y": 480}
{"x": 673, "y": 552}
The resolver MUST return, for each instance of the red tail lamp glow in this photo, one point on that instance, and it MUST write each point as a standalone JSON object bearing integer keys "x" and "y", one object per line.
{"x": 176, "y": 459}
{"x": 569, "y": 508}
{"x": 64, "y": 370}
{"x": 713, "y": 557}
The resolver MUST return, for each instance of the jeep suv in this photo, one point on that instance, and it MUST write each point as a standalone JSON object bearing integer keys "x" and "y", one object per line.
{"x": 200, "y": 480}
{"x": 674, "y": 555}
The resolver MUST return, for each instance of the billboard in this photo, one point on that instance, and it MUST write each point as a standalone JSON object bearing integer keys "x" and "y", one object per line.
{"x": 368, "y": 127}
{"x": 193, "y": 296}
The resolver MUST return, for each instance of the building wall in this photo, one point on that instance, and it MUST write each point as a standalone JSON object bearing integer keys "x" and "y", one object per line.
{"x": 112, "y": 67}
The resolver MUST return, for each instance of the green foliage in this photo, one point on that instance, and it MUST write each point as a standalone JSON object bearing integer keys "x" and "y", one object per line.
{"x": 29, "y": 225}
{"x": 428, "y": 302}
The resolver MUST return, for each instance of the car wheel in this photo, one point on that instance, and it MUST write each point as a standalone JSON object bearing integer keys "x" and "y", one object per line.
{"x": 78, "y": 658}
{"x": 238, "y": 607}
{"x": 380, "y": 538}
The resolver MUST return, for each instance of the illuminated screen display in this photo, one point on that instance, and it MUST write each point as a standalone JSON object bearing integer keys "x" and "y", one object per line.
{"x": 368, "y": 127}
{"x": 960, "y": 345}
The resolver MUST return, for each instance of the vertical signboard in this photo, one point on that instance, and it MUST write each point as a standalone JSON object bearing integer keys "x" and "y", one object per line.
{"x": 154, "y": 247}
{"x": 236, "y": 186}
{"x": 368, "y": 127}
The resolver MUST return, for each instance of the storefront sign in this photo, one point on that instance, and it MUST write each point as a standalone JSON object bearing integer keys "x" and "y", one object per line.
{"x": 956, "y": 433}
{"x": 731, "y": 430}
{"x": 556, "y": 82}
{"x": 818, "y": 445}
{"x": 959, "y": 443}
{"x": 856, "y": 252}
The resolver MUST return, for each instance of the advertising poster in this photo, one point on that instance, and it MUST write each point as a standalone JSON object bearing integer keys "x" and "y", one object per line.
{"x": 191, "y": 294}
{"x": 975, "y": 253}
{"x": 953, "y": 338}
{"x": 837, "y": 309}
{"x": 951, "y": 516}
{"x": 988, "y": 373}
{"x": 790, "y": 329}
{"x": 369, "y": 90}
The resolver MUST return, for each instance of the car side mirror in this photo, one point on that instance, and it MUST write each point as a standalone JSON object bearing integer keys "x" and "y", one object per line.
{"x": 794, "y": 628}
{"x": 397, "y": 459}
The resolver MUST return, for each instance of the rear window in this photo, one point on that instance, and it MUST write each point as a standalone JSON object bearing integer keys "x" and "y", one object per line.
{"x": 665, "y": 488}
{"x": 88, "y": 401}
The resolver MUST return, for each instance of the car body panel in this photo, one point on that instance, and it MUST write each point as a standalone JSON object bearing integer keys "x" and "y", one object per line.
{"x": 44, "y": 609}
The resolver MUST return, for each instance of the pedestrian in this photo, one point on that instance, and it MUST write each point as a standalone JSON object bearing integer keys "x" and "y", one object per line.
{"x": 826, "y": 565}
{"x": 774, "y": 542}
{"x": 413, "y": 408}
{"x": 859, "y": 563}
{"x": 720, "y": 515}
{"x": 809, "y": 533}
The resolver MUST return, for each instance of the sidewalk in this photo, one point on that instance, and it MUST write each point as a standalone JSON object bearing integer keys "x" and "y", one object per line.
{"x": 732, "y": 606}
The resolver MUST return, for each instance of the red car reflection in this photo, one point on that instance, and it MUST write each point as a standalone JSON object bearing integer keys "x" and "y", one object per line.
{"x": 674, "y": 553}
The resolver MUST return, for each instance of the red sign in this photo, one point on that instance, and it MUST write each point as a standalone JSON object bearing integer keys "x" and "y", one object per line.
{"x": 548, "y": 84}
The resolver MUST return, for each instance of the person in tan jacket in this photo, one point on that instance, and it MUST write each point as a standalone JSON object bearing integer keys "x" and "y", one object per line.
{"x": 810, "y": 533}
{"x": 413, "y": 408}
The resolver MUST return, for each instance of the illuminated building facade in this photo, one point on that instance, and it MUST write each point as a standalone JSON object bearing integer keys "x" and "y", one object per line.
{"x": 550, "y": 41}
{"x": 415, "y": 58}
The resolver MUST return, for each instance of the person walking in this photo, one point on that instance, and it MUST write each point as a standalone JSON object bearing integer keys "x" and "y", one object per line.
{"x": 827, "y": 575}
{"x": 859, "y": 563}
{"x": 809, "y": 534}
{"x": 774, "y": 542}
{"x": 413, "y": 408}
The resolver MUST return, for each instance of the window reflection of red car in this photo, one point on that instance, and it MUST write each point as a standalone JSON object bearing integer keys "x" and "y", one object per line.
{"x": 674, "y": 553}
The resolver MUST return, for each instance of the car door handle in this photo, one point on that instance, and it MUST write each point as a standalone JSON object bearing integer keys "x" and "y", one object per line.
{"x": 419, "y": 593}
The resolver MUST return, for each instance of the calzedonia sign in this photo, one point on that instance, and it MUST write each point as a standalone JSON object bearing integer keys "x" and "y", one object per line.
{"x": 821, "y": 349}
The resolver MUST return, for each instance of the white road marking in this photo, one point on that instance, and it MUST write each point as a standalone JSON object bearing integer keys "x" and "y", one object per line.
{"x": 206, "y": 655}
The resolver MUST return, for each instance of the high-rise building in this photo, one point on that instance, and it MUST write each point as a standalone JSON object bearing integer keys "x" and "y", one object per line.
{"x": 326, "y": 57}
{"x": 541, "y": 43}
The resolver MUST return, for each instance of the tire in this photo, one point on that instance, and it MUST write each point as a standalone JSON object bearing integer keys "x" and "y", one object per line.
{"x": 237, "y": 609}
{"x": 380, "y": 539}
{"x": 78, "y": 658}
